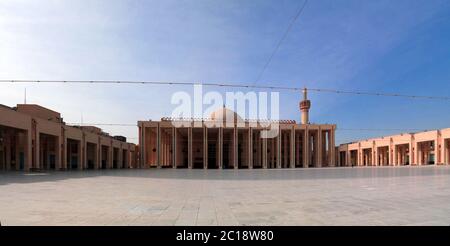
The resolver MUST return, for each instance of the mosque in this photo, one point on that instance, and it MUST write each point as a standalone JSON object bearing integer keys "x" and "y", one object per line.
{"x": 36, "y": 138}
{"x": 199, "y": 143}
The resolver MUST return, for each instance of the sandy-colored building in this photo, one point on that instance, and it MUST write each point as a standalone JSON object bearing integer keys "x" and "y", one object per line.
{"x": 203, "y": 143}
{"x": 421, "y": 148}
{"x": 36, "y": 138}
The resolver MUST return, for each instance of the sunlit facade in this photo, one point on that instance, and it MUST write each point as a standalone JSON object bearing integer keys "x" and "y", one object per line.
{"x": 422, "y": 148}
{"x": 200, "y": 143}
{"x": 36, "y": 138}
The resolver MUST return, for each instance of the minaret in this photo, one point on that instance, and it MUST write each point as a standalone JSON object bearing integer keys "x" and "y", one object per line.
{"x": 305, "y": 105}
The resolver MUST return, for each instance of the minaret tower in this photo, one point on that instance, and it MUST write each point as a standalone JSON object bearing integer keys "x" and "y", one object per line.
{"x": 305, "y": 105}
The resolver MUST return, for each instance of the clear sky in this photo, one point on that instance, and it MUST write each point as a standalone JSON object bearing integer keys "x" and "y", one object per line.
{"x": 386, "y": 46}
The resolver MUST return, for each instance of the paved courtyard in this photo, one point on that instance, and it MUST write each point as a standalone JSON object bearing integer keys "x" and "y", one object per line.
{"x": 328, "y": 196}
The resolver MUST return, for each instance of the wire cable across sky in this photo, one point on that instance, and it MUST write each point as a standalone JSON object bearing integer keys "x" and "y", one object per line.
{"x": 240, "y": 85}
{"x": 339, "y": 129}
{"x": 299, "y": 12}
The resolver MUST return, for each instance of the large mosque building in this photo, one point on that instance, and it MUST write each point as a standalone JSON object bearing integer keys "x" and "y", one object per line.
{"x": 238, "y": 143}
{"x": 36, "y": 138}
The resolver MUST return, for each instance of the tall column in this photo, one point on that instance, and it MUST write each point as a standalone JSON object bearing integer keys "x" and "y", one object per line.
{"x": 264, "y": 152}
{"x": 250, "y": 148}
{"x": 169, "y": 149}
{"x": 145, "y": 148}
{"x": 338, "y": 158}
{"x": 161, "y": 150}
{"x": 273, "y": 152}
{"x": 348, "y": 158}
{"x": 333, "y": 144}
{"x": 358, "y": 157}
{"x": 98, "y": 156}
{"x": 444, "y": 152}
{"x": 381, "y": 156}
{"x": 300, "y": 148}
{"x": 412, "y": 151}
{"x": 164, "y": 157}
{"x": 158, "y": 147}
{"x": 390, "y": 154}
{"x": 287, "y": 149}
{"x": 327, "y": 137}
{"x": 68, "y": 154}
{"x": 110, "y": 155}
{"x": 126, "y": 162}
{"x": 306, "y": 150}
{"x": 235, "y": 147}
{"x": 401, "y": 160}
{"x": 371, "y": 157}
{"x": 361, "y": 156}
{"x": 418, "y": 154}
{"x": 220, "y": 148}
{"x": 58, "y": 144}
{"x": 142, "y": 146}
{"x": 103, "y": 157}
{"x": 332, "y": 148}
{"x": 395, "y": 156}
{"x": 205, "y": 147}
{"x": 28, "y": 152}
{"x": 63, "y": 164}
{"x": 165, "y": 149}
{"x": 79, "y": 156}
{"x": 319, "y": 148}
{"x": 376, "y": 155}
{"x": 120, "y": 158}
{"x": 437, "y": 151}
{"x": 278, "y": 150}
{"x": 190, "y": 147}
{"x": 174, "y": 147}
{"x": 447, "y": 152}
{"x": 37, "y": 150}
{"x": 292, "y": 161}
{"x": 282, "y": 147}
{"x": 167, "y": 154}
{"x": 85, "y": 159}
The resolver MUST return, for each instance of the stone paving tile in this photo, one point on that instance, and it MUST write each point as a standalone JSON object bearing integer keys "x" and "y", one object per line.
{"x": 324, "y": 196}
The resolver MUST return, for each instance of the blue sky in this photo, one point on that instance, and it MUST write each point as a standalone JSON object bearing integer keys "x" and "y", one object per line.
{"x": 387, "y": 46}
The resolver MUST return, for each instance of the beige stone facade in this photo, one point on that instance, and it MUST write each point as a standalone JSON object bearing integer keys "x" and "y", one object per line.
{"x": 199, "y": 145}
{"x": 36, "y": 138}
{"x": 421, "y": 148}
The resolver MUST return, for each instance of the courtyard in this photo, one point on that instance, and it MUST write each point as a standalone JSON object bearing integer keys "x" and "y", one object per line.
{"x": 315, "y": 196}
